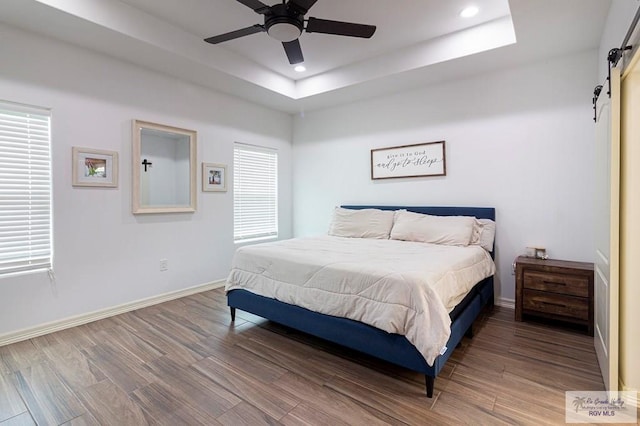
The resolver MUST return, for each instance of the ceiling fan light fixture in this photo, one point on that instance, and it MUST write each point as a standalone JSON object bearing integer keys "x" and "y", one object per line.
{"x": 284, "y": 31}
{"x": 469, "y": 12}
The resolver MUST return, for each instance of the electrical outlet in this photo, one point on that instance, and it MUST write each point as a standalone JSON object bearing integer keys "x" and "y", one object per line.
{"x": 164, "y": 265}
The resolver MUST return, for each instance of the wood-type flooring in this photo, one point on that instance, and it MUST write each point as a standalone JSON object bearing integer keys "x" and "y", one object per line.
{"x": 184, "y": 363}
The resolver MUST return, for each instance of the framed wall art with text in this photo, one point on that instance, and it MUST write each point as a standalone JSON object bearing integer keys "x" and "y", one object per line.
{"x": 417, "y": 160}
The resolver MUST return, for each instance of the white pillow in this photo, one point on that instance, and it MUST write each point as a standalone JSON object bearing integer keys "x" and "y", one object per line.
{"x": 484, "y": 233}
{"x": 447, "y": 230}
{"x": 364, "y": 223}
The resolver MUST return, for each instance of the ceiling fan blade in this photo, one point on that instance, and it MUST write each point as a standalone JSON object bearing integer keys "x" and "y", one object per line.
{"x": 315, "y": 25}
{"x": 256, "y": 5}
{"x": 301, "y": 6}
{"x": 257, "y": 28}
{"x": 293, "y": 51}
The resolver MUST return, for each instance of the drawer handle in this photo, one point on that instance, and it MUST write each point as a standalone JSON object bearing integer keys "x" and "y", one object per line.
{"x": 562, "y": 305}
{"x": 554, "y": 283}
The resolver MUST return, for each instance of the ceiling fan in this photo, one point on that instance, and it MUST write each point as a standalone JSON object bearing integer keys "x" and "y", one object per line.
{"x": 285, "y": 22}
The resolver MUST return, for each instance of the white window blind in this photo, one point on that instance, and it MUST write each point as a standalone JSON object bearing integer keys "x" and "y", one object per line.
{"x": 255, "y": 192}
{"x": 25, "y": 188}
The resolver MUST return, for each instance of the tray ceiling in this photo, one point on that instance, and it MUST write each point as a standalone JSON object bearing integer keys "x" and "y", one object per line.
{"x": 417, "y": 42}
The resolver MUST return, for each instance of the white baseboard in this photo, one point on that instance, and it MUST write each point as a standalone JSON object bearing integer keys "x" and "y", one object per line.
{"x": 632, "y": 396}
{"x": 51, "y": 327}
{"x": 506, "y": 303}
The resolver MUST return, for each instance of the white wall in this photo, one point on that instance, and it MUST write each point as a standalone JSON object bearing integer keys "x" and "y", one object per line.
{"x": 103, "y": 255}
{"x": 619, "y": 19}
{"x": 520, "y": 140}
{"x": 166, "y": 181}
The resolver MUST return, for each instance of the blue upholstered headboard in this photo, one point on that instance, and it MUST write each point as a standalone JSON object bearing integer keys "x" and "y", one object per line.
{"x": 479, "y": 212}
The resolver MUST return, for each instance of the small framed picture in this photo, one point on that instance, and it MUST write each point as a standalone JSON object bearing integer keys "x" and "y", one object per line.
{"x": 93, "y": 167}
{"x": 214, "y": 177}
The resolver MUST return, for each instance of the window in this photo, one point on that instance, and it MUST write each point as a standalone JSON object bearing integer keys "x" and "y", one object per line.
{"x": 255, "y": 193}
{"x": 25, "y": 188}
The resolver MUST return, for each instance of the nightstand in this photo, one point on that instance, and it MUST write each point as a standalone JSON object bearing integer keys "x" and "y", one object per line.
{"x": 555, "y": 289}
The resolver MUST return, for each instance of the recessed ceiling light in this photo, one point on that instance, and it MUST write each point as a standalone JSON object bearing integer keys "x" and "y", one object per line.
{"x": 470, "y": 11}
{"x": 300, "y": 68}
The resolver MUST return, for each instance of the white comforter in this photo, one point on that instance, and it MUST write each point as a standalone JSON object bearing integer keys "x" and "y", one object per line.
{"x": 401, "y": 287}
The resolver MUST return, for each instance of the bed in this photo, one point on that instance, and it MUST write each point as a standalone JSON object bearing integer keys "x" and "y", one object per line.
{"x": 407, "y": 349}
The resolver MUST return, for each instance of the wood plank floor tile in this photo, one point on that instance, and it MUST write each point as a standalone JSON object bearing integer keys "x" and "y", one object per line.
{"x": 460, "y": 411}
{"x": 483, "y": 360}
{"x": 280, "y": 340}
{"x": 289, "y": 359}
{"x": 306, "y": 415}
{"x": 245, "y": 414}
{"x": 227, "y": 335}
{"x": 131, "y": 322}
{"x": 185, "y": 362}
{"x": 72, "y": 366}
{"x": 129, "y": 342}
{"x": 562, "y": 379}
{"x": 545, "y": 396}
{"x": 199, "y": 325}
{"x": 80, "y": 337}
{"x": 479, "y": 396}
{"x": 409, "y": 409}
{"x": 560, "y": 338}
{"x": 332, "y": 359}
{"x": 42, "y": 342}
{"x": 10, "y": 402}
{"x": 577, "y": 364}
{"x": 22, "y": 419}
{"x": 108, "y": 404}
{"x": 177, "y": 331}
{"x": 519, "y": 407}
{"x": 251, "y": 364}
{"x": 84, "y": 420}
{"x": 256, "y": 393}
{"x": 194, "y": 388}
{"x": 368, "y": 368}
{"x": 122, "y": 367}
{"x": 103, "y": 324}
{"x": 214, "y": 309}
{"x": 193, "y": 308}
{"x": 19, "y": 355}
{"x": 166, "y": 407}
{"x": 536, "y": 369}
{"x": 48, "y": 399}
{"x": 525, "y": 416}
{"x": 492, "y": 343}
{"x": 215, "y": 299}
{"x": 168, "y": 346}
{"x": 382, "y": 377}
{"x": 332, "y": 403}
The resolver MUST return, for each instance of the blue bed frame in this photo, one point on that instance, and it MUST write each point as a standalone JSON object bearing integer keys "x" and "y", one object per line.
{"x": 390, "y": 347}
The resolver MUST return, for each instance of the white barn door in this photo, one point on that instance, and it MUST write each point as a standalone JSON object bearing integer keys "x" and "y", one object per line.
{"x": 607, "y": 233}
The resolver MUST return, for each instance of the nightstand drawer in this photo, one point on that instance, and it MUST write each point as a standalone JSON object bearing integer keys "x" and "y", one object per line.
{"x": 556, "y": 304}
{"x": 557, "y": 283}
